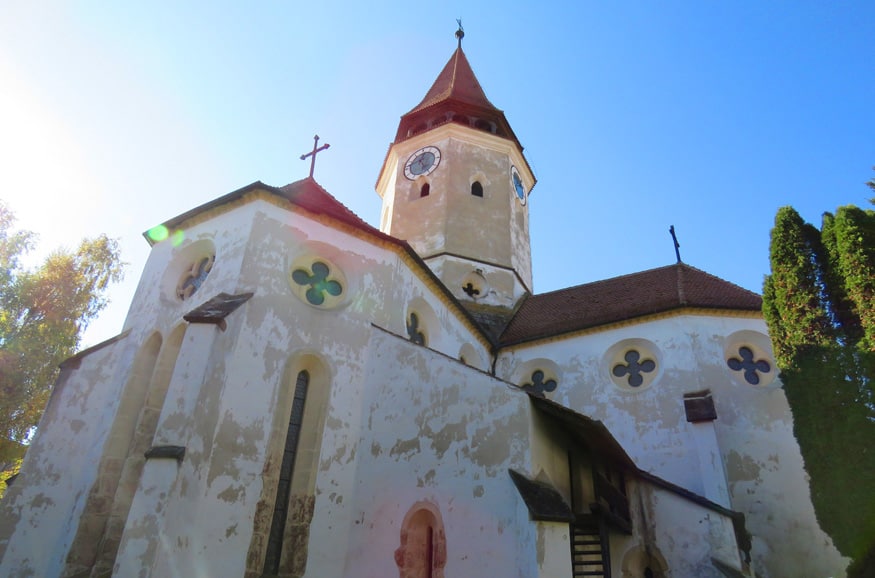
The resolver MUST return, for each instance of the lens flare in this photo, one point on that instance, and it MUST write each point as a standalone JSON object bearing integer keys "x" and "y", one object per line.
{"x": 158, "y": 233}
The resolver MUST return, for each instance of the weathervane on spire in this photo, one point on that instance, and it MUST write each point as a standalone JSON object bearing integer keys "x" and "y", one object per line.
{"x": 460, "y": 33}
{"x": 312, "y": 154}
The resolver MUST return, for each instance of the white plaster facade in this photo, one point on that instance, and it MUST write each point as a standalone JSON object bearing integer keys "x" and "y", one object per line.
{"x": 407, "y": 420}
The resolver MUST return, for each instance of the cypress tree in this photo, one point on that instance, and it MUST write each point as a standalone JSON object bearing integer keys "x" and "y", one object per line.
{"x": 819, "y": 304}
{"x": 855, "y": 247}
{"x": 794, "y": 310}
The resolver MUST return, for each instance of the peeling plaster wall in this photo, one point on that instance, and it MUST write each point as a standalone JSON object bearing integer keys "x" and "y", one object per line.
{"x": 155, "y": 303}
{"x": 40, "y": 512}
{"x": 404, "y": 423}
{"x": 552, "y": 547}
{"x": 430, "y": 430}
{"x": 221, "y": 395}
{"x": 61, "y": 465}
{"x": 766, "y": 477}
{"x": 685, "y": 535}
{"x": 219, "y": 401}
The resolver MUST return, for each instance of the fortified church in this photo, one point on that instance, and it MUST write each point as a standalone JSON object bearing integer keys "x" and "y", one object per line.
{"x": 298, "y": 393}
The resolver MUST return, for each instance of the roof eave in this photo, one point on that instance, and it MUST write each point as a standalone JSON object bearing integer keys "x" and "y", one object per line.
{"x": 569, "y": 332}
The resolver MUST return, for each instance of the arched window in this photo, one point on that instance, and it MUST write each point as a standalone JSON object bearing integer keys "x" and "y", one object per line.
{"x": 290, "y": 450}
{"x": 425, "y": 190}
{"x": 477, "y": 189}
{"x": 423, "y": 549}
{"x": 287, "y": 501}
{"x": 645, "y": 562}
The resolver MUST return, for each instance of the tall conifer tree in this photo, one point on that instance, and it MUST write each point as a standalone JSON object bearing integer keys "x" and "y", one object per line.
{"x": 819, "y": 304}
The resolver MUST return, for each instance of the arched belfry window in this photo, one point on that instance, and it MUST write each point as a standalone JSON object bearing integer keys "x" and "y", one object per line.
{"x": 425, "y": 190}
{"x": 273, "y": 554}
{"x": 423, "y": 549}
{"x": 477, "y": 189}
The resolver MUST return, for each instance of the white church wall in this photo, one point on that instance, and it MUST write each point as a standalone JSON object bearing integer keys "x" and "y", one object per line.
{"x": 436, "y": 432}
{"x": 396, "y": 434}
{"x": 677, "y": 535}
{"x": 156, "y": 303}
{"x": 273, "y": 239}
{"x": 553, "y": 547}
{"x": 381, "y": 290}
{"x": 240, "y": 370}
{"x": 40, "y": 511}
{"x": 766, "y": 477}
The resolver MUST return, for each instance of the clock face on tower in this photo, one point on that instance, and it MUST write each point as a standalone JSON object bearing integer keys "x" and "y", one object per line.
{"x": 422, "y": 162}
{"x": 518, "y": 186}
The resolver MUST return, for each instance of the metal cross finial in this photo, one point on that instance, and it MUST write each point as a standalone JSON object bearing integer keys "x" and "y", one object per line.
{"x": 460, "y": 33}
{"x": 677, "y": 246}
{"x": 312, "y": 154}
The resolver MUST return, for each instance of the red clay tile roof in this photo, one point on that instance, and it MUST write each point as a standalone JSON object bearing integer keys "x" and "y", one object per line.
{"x": 309, "y": 194}
{"x": 306, "y": 193}
{"x": 622, "y": 298}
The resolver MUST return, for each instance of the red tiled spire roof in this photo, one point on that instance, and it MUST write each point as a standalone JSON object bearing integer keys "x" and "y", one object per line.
{"x": 456, "y": 82}
{"x": 622, "y": 298}
{"x": 456, "y": 96}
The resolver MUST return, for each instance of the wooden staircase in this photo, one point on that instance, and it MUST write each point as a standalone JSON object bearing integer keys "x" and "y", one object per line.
{"x": 589, "y": 552}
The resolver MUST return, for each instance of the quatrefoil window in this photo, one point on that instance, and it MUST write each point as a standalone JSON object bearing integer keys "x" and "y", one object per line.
{"x": 750, "y": 367}
{"x": 318, "y": 282}
{"x": 194, "y": 277}
{"x": 634, "y": 368}
{"x": 539, "y": 385}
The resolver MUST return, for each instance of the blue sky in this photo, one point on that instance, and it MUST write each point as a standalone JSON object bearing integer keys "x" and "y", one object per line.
{"x": 635, "y": 116}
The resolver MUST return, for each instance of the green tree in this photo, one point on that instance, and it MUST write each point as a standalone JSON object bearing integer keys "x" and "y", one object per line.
{"x": 819, "y": 304}
{"x": 43, "y": 311}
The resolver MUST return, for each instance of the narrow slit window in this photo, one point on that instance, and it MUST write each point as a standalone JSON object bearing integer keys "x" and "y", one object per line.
{"x": 429, "y": 553}
{"x": 425, "y": 190}
{"x": 290, "y": 450}
{"x": 477, "y": 189}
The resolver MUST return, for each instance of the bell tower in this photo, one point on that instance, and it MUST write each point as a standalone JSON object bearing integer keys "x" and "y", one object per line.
{"x": 455, "y": 185}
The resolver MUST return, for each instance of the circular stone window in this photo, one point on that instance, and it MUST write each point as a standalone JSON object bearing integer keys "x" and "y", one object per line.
{"x": 748, "y": 356}
{"x": 633, "y": 364}
{"x": 474, "y": 285}
{"x": 540, "y": 382}
{"x": 318, "y": 282}
{"x": 194, "y": 277}
{"x": 189, "y": 269}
